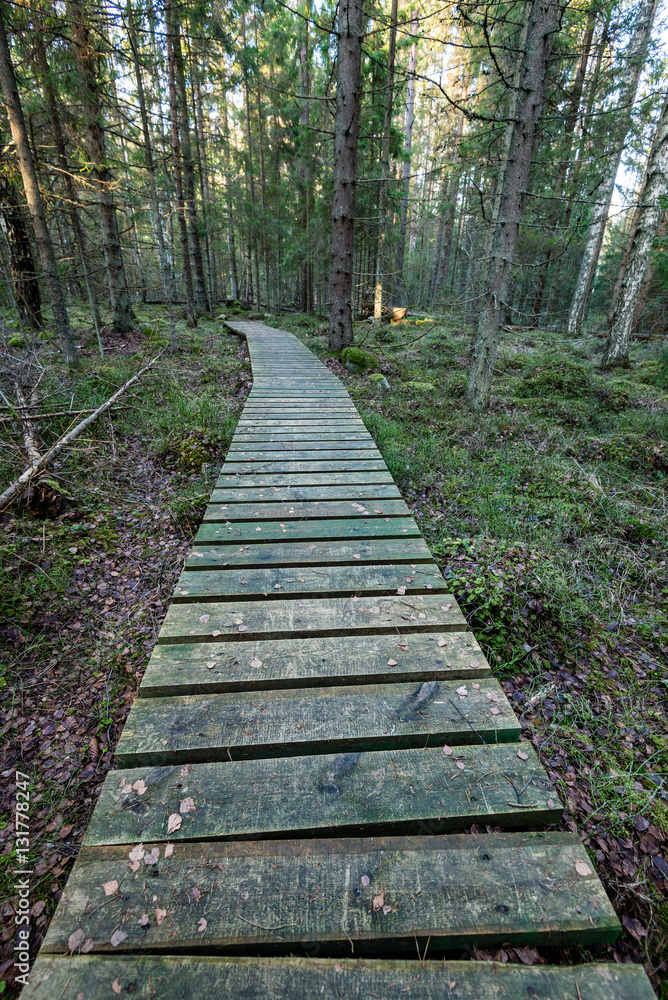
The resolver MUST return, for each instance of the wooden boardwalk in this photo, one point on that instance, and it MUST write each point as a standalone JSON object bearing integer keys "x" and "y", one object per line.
{"x": 314, "y": 722}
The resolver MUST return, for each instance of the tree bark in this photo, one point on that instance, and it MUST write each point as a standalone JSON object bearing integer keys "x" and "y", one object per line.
{"x": 544, "y": 20}
{"x": 648, "y": 218}
{"x": 201, "y": 297}
{"x": 25, "y": 289}
{"x": 346, "y": 135}
{"x": 167, "y": 290}
{"x": 89, "y": 75}
{"x": 385, "y": 168}
{"x": 231, "y": 249}
{"x": 449, "y": 195}
{"x": 408, "y": 147}
{"x": 634, "y": 63}
{"x": 34, "y": 198}
{"x": 306, "y": 291}
{"x": 178, "y": 177}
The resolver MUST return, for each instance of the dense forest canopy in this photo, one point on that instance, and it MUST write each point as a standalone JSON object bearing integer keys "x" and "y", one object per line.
{"x": 185, "y": 153}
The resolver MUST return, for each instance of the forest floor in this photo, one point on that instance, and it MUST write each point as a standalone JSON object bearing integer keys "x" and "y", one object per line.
{"x": 548, "y": 515}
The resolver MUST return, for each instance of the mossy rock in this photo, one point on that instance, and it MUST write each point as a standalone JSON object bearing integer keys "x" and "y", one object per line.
{"x": 357, "y": 360}
{"x": 16, "y": 340}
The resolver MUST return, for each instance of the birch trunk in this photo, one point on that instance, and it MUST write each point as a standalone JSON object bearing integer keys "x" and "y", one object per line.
{"x": 647, "y": 221}
{"x": 543, "y": 21}
{"x": 385, "y": 168}
{"x": 34, "y": 198}
{"x": 346, "y": 135}
{"x": 408, "y": 147}
{"x": 634, "y": 63}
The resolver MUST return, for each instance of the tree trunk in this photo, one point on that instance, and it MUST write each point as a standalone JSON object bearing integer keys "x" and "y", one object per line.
{"x": 167, "y": 290}
{"x": 634, "y": 63}
{"x": 385, "y": 168}
{"x": 408, "y": 146}
{"x": 205, "y": 194}
{"x": 174, "y": 29}
{"x": 649, "y": 274}
{"x": 34, "y": 198}
{"x": 178, "y": 177}
{"x": 544, "y": 20}
{"x": 449, "y": 195}
{"x": 306, "y": 296}
{"x": 648, "y": 218}
{"x": 89, "y": 75}
{"x": 346, "y": 135}
{"x": 25, "y": 289}
{"x": 231, "y": 249}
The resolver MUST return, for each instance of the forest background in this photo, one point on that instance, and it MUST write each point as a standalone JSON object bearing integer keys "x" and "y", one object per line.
{"x": 175, "y": 166}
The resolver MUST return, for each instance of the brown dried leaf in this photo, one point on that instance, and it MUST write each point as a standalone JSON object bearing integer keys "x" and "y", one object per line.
{"x": 582, "y": 868}
{"x": 111, "y": 887}
{"x": 118, "y": 937}
{"x": 116, "y": 986}
{"x": 87, "y": 946}
{"x": 187, "y": 805}
{"x": 174, "y": 823}
{"x": 159, "y": 915}
{"x": 76, "y": 939}
{"x": 201, "y": 925}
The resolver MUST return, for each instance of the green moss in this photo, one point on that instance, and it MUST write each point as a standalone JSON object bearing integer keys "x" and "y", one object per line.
{"x": 357, "y": 359}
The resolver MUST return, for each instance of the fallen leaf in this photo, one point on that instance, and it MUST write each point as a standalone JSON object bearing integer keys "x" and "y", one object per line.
{"x": 378, "y": 901}
{"x": 201, "y": 925}
{"x": 460, "y": 764}
{"x": 634, "y": 927}
{"x": 135, "y": 866}
{"x": 445, "y": 607}
{"x": 337, "y": 967}
{"x": 139, "y": 786}
{"x": 442, "y": 642}
{"x": 491, "y": 695}
{"x": 118, "y": 937}
{"x": 169, "y": 850}
{"x": 365, "y": 880}
{"x": 174, "y": 823}
{"x": 462, "y": 692}
{"x": 143, "y": 920}
{"x": 216, "y": 632}
{"x": 448, "y": 750}
{"x": 582, "y": 868}
{"x": 210, "y": 664}
{"x": 76, "y": 939}
{"x": 152, "y": 857}
{"x": 401, "y": 591}
{"x": 111, "y": 887}
{"x": 375, "y": 610}
{"x": 116, "y": 987}
{"x": 159, "y": 915}
{"x": 187, "y": 805}
{"x": 137, "y": 853}
{"x": 391, "y": 663}
{"x": 87, "y": 946}
{"x": 255, "y": 663}
{"x": 243, "y": 628}
{"x": 522, "y": 755}
{"x": 495, "y": 711}
{"x": 356, "y": 555}
{"x": 196, "y": 893}
{"x": 204, "y": 618}
{"x": 37, "y": 907}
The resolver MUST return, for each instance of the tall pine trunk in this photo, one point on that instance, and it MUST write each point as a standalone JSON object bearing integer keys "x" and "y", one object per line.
{"x": 178, "y": 176}
{"x": 634, "y": 266}
{"x": 25, "y": 285}
{"x": 383, "y": 199}
{"x": 346, "y": 135}
{"x": 408, "y": 147}
{"x": 544, "y": 20}
{"x": 231, "y": 248}
{"x": 33, "y": 195}
{"x": 634, "y": 63}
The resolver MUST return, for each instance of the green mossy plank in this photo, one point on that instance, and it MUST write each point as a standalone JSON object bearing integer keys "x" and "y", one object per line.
{"x": 289, "y": 466}
{"x": 291, "y": 511}
{"x": 308, "y": 453}
{"x": 311, "y": 531}
{"x": 315, "y": 553}
{"x": 377, "y": 792}
{"x": 313, "y": 617}
{"x": 276, "y": 582}
{"x": 244, "y": 493}
{"x": 156, "y": 977}
{"x": 352, "y": 439}
{"x": 328, "y": 480}
{"x": 458, "y": 890}
{"x": 206, "y": 667}
{"x": 245, "y": 725}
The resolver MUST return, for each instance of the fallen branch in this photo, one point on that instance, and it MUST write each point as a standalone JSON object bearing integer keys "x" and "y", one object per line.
{"x": 19, "y": 485}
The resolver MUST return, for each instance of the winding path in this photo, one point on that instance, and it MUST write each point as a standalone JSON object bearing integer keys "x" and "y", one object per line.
{"x": 314, "y": 720}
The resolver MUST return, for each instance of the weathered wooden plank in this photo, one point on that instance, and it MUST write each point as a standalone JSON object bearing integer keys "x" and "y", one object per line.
{"x": 206, "y": 667}
{"x": 316, "y": 553}
{"x": 289, "y": 466}
{"x": 157, "y": 977}
{"x": 289, "y": 511}
{"x": 344, "y": 491}
{"x": 455, "y": 889}
{"x": 268, "y": 437}
{"x": 304, "y": 618}
{"x": 311, "y": 530}
{"x": 241, "y": 726}
{"x": 299, "y": 453}
{"x": 376, "y": 792}
{"x": 295, "y": 479}
{"x": 275, "y": 582}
